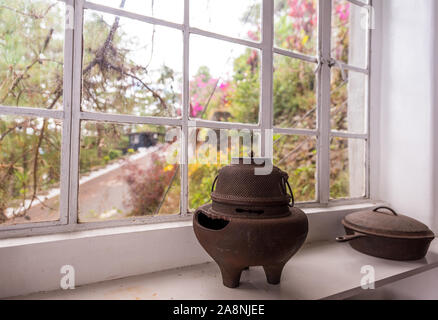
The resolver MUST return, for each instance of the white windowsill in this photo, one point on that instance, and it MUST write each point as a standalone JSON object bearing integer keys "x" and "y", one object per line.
{"x": 32, "y": 264}
{"x": 322, "y": 270}
{"x": 12, "y": 242}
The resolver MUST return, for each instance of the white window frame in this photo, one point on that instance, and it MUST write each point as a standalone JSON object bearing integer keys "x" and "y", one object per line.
{"x": 72, "y": 114}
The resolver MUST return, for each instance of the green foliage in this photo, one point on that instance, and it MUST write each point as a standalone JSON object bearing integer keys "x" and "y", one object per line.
{"x": 114, "y": 154}
{"x": 294, "y": 93}
{"x": 245, "y": 100}
{"x": 101, "y": 143}
{"x": 200, "y": 182}
{"x": 29, "y": 164}
{"x": 295, "y": 155}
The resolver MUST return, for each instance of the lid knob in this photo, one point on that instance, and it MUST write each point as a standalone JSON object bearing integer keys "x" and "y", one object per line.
{"x": 387, "y": 208}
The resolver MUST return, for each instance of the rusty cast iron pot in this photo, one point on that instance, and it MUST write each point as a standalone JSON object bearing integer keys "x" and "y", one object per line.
{"x": 387, "y": 235}
{"x": 251, "y": 222}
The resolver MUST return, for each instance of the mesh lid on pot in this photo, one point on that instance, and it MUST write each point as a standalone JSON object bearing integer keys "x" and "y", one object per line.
{"x": 240, "y": 184}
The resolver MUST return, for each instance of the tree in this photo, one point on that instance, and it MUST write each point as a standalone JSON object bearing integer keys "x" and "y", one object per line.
{"x": 31, "y": 62}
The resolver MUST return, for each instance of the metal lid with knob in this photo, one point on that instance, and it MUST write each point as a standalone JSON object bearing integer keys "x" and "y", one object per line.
{"x": 384, "y": 221}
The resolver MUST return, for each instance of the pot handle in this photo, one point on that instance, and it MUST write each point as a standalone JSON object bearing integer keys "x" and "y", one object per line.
{"x": 214, "y": 184}
{"x": 387, "y": 208}
{"x": 292, "y": 203}
{"x": 350, "y": 237}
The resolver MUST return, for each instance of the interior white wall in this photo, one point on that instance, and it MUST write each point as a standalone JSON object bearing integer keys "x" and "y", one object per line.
{"x": 407, "y": 126}
{"x": 434, "y": 118}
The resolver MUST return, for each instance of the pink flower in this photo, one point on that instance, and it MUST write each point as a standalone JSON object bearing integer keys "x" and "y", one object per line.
{"x": 196, "y": 109}
{"x": 253, "y": 36}
{"x": 301, "y": 8}
{"x": 253, "y": 58}
{"x": 212, "y": 81}
{"x": 200, "y": 81}
{"x": 293, "y": 12}
{"x": 343, "y": 10}
{"x": 224, "y": 86}
{"x": 201, "y": 84}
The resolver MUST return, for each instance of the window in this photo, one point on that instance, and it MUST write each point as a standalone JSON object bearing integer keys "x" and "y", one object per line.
{"x": 91, "y": 91}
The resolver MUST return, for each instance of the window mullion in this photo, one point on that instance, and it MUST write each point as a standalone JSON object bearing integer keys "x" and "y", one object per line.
{"x": 186, "y": 111}
{"x": 131, "y": 15}
{"x": 76, "y": 109}
{"x": 324, "y": 51}
{"x": 66, "y": 125}
{"x": 267, "y": 68}
{"x": 368, "y": 100}
{"x": 31, "y": 112}
{"x": 296, "y": 55}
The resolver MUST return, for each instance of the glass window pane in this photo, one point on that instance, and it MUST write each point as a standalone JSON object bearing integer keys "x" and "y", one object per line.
{"x": 297, "y": 156}
{"x": 171, "y": 10}
{"x": 31, "y": 53}
{"x": 348, "y": 101}
{"x": 210, "y": 150}
{"x": 135, "y": 70}
{"x": 296, "y": 25}
{"x": 294, "y": 93}
{"x": 238, "y": 19}
{"x": 224, "y": 81}
{"x": 30, "y": 159}
{"x": 127, "y": 171}
{"x": 347, "y": 170}
{"x": 349, "y": 33}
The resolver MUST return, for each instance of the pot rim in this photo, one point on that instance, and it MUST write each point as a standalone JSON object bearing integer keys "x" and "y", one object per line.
{"x": 210, "y": 212}
{"x": 236, "y": 200}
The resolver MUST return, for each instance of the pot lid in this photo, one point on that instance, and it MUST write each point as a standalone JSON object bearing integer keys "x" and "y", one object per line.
{"x": 240, "y": 184}
{"x": 384, "y": 221}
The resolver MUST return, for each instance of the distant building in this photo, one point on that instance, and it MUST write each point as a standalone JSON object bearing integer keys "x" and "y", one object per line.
{"x": 142, "y": 140}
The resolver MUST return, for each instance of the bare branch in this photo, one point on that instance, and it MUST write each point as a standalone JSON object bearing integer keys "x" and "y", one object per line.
{"x": 8, "y": 131}
{"x": 167, "y": 191}
{"x": 100, "y": 54}
{"x": 209, "y": 98}
{"x": 154, "y": 93}
{"x": 32, "y": 14}
{"x": 35, "y": 164}
{"x": 297, "y": 148}
{"x": 20, "y": 77}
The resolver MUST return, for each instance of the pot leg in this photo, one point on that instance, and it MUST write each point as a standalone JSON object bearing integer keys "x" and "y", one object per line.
{"x": 273, "y": 273}
{"x": 231, "y": 276}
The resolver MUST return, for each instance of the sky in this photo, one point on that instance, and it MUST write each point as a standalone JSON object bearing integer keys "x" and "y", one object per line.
{"x": 220, "y": 16}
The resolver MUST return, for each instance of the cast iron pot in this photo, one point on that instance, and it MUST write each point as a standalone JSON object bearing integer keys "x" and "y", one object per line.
{"x": 387, "y": 235}
{"x": 251, "y": 222}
